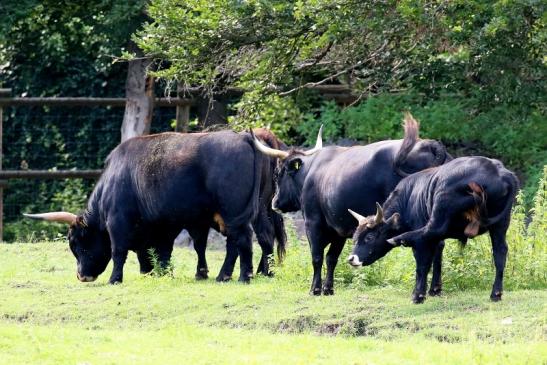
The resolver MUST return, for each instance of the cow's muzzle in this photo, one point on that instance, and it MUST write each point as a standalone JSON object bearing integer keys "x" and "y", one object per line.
{"x": 353, "y": 260}
{"x": 85, "y": 279}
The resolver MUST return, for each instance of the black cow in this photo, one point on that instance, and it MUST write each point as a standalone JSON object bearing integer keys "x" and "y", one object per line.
{"x": 154, "y": 186}
{"x": 324, "y": 182}
{"x": 268, "y": 225}
{"x": 461, "y": 199}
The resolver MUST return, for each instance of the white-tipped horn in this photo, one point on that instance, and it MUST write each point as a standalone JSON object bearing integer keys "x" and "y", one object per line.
{"x": 361, "y": 219}
{"x": 61, "y": 217}
{"x": 268, "y": 151}
{"x": 318, "y": 143}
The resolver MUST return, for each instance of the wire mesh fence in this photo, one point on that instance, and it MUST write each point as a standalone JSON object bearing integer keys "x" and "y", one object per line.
{"x": 59, "y": 138}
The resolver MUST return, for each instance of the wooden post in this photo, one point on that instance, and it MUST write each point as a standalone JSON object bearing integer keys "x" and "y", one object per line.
{"x": 183, "y": 118}
{"x": 3, "y": 92}
{"x": 139, "y": 107}
{"x": 183, "y": 113}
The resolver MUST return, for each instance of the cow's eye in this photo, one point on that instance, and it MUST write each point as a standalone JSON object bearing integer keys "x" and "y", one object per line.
{"x": 369, "y": 237}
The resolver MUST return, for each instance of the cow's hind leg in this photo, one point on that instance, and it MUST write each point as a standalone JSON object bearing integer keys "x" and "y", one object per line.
{"x": 336, "y": 246}
{"x": 199, "y": 236}
{"x": 499, "y": 250}
{"x": 436, "y": 282}
{"x": 227, "y": 268}
{"x": 424, "y": 257}
{"x": 145, "y": 261}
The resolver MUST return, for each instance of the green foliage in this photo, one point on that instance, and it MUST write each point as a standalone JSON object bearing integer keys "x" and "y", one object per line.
{"x": 158, "y": 269}
{"x": 518, "y": 137}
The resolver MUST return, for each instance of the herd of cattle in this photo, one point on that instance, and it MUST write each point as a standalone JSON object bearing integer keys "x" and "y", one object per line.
{"x": 408, "y": 192}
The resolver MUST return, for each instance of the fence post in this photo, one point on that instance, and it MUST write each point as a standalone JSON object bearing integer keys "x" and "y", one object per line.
{"x": 3, "y": 93}
{"x": 183, "y": 114}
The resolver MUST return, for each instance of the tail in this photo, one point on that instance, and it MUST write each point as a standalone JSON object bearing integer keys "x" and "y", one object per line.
{"x": 511, "y": 180}
{"x": 412, "y": 128}
{"x": 259, "y": 159}
{"x": 280, "y": 235}
{"x": 252, "y": 206}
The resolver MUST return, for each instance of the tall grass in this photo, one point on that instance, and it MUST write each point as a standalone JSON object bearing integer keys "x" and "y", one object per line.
{"x": 469, "y": 267}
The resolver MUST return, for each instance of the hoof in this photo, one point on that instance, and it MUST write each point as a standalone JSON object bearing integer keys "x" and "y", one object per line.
{"x": 223, "y": 278}
{"x": 495, "y": 297}
{"x": 244, "y": 279}
{"x": 315, "y": 291}
{"x": 201, "y": 274}
{"x": 114, "y": 282}
{"x": 418, "y": 298}
{"x": 328, "y": 291}
{"x": 435, "y": 292}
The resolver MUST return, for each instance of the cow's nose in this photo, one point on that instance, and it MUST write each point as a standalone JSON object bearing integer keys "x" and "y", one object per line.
{"x": 354, "y": 260}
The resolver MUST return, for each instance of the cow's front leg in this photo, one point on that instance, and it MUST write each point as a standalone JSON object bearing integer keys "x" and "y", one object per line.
{"x": 119, "y": 255}
{"x": 265, "y": 234}
{"x": 436, "y": 282}
{"x": 333, "y": 254}
{"x": 423, "y": 254}
{"x": 121, "y": 238}
{"x": 499, "y": 250}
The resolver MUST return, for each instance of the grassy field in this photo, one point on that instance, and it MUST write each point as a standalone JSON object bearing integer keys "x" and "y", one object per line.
{"x": 48, "y": 317}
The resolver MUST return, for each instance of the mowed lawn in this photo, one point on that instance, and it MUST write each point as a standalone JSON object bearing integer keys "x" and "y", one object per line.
{"x": 48, "y": 317}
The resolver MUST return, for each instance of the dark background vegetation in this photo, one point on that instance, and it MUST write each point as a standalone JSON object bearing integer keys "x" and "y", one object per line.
{"x": 473, "y": 73}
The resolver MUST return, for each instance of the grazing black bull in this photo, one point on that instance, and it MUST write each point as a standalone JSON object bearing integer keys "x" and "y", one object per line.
{"x": 324, "y": 182}
{"x": 153, "y": 187}
{"x": 461, "y": 199}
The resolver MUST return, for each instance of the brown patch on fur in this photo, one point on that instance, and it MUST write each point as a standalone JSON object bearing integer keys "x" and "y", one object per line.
{"x": 269, "y": 138}
{"x": 473, "y": 215}
{"x": 221, "y": 225}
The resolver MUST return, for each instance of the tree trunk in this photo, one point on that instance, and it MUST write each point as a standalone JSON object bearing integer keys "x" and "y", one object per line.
{"x": 139, "y": 106}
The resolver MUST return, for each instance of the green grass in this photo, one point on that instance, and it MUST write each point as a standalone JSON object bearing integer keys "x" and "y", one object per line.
{"x": 47, "y": 316}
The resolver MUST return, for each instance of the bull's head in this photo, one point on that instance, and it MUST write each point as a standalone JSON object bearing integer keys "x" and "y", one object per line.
{"x": 371, "y": 237}
{"x": 290, "y": 173}
{"x": 90, "y": 246}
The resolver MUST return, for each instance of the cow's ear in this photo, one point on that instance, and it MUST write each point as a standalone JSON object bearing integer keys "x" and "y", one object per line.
{"x": 394, "y": 221}
{"x": 295, "y": 164}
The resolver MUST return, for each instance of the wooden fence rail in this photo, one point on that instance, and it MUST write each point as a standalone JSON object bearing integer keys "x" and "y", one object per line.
{"x": 182, "y": 113}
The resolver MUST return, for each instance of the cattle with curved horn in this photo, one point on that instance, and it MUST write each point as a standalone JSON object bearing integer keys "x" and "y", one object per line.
{"x": 462, "y": 199}
{"x": 154, "y": 186}
{"x": 325, "y": 181}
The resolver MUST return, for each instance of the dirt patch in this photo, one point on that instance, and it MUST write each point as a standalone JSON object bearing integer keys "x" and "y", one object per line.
{"x": 297, "y": 324}
{"x": 21, "y": 318}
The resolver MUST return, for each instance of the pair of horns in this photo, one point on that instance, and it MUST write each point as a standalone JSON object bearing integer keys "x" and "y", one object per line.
{"x": 272, "y": 152}
{"x": 364, "y": 220}
{"x": 60, "y": 217}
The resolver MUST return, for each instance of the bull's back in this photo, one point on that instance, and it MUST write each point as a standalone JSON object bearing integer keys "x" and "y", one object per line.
{"x": 356, "y": 178}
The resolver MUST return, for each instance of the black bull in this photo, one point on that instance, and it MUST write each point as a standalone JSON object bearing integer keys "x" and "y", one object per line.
{"x": 152, "y": 187}
{"x": 325, "y": 182}
{"x": 461, "y": 199}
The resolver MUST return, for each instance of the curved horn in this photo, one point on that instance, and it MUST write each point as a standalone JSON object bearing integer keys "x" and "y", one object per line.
{"x": 61, "y": 217}
{"x": 379, "y": 214}
{"x": 318, "y": 143}
{"x": 361, "y": 219}
{"x": 268, "y": 151}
